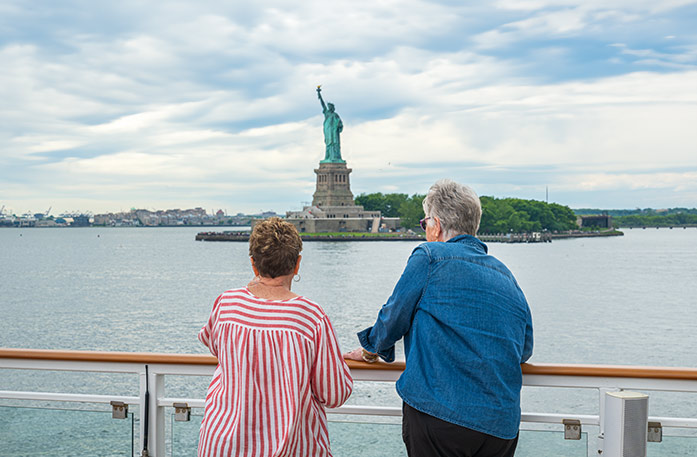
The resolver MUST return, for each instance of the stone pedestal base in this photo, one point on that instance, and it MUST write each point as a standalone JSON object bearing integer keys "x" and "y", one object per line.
{"x": 333, "y": 185}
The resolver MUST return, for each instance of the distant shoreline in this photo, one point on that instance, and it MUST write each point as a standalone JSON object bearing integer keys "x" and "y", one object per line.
{"x": 605, "y": 233}
{"x": 348, "y": 236}
{"x": 363, "y": 237}
{"x": 228, "y": 227}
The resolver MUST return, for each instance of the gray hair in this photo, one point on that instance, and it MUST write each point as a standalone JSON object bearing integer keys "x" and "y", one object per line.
{"x": 456, "y": 206}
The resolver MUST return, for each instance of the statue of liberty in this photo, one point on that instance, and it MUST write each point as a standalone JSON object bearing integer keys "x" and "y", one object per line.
{"x": 332, "y": 128}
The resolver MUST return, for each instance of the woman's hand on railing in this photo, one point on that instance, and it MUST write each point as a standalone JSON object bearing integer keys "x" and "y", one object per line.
{"x": 356, "y": 354}
{"x": 361, "y": 355}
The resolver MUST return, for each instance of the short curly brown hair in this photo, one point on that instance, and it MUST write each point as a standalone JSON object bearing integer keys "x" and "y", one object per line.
{"x": 275, "y": 246}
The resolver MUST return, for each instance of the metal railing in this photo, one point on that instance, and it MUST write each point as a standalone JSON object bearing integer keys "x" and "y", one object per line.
{"x": 152, "y": 381}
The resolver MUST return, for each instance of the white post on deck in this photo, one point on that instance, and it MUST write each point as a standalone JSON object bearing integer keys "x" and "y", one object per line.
{"x": 626, "y": 424}
{"x": 156, "y": 423}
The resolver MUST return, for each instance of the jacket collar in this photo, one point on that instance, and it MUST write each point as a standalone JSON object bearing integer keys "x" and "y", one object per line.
{"x": 469, "y": 239}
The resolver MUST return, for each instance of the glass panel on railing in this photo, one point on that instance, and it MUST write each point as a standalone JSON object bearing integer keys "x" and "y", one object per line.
{"x": 66, "y": 432}
{"x": 77, "y": 382}
{"x": 536, "y": 443}
{"x": 673, "y": 446}
{"x": 185, "y": 435}
{"x": 350, "y": 439}
{"x": 385, "y": 440}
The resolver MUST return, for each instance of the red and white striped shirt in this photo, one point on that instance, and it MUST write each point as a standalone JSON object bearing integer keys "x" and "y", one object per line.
{"x": 279, "y": 366}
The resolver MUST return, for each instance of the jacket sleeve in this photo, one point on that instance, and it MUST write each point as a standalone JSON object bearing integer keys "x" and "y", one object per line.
{"x": 207, "y": 334}
{"x": 330, "y": 377}
{"x": 395, "y": 317}
{"x": 527, "y": 346}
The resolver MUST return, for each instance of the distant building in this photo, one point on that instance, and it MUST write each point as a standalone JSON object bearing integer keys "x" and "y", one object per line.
{"x": 266, "y": 214}
{"x": 46, "y": 223}
{"x": 81, "y": 220}
{"x": 595, "y": 220}
{"x": 144, "y": 217}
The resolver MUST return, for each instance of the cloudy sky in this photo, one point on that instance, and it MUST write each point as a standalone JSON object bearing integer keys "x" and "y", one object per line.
{"x": 111, "y": 105}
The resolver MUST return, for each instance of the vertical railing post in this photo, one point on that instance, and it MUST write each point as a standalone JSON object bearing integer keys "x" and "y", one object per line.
{"x": 155, "y": 385}
{"x": 141, "y": 413}
{"x": 157, "y": 415}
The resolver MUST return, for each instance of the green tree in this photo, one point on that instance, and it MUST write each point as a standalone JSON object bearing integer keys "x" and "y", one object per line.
{"x": 407, "y": 208}
{"x": 499, "y": 215}
{"x": 387, "y": 204}
{"x": 507, "y": 215}
{"x": 655, "y": 220}
{"x": 564, "y": 218}
{"x": 411, "y": 211}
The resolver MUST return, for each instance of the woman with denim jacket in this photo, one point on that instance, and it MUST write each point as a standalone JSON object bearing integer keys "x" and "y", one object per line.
{"x": 467, "y": 328}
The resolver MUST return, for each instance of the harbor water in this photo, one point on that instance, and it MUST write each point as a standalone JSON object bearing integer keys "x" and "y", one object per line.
{"x": 628, "y": 300}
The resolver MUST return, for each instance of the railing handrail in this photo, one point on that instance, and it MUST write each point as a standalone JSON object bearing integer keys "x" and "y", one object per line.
{"x": 108, "y": 356}
{"x": 610, "y": 371}
{"x": 546, "y": 369}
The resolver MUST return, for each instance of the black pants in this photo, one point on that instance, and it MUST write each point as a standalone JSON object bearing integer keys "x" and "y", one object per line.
{"x": 428, "y": 436}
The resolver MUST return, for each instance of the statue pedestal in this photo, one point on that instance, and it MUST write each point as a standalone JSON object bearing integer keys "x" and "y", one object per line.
{"x": 333, "y": 208}
{"x": 333, "y": 185}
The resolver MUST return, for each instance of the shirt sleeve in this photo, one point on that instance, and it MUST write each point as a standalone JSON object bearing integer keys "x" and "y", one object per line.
{"x": 395, "y": 317}
{"x": 206, "y": 334}
{"x": 330, "y": 377}
{"x": 527, "y": 346}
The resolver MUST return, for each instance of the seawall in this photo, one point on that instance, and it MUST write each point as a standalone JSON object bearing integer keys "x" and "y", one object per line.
{"x": 234, "y": 236}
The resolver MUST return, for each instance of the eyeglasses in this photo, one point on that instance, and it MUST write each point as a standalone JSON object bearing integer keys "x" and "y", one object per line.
{"x": 422, "y": 222}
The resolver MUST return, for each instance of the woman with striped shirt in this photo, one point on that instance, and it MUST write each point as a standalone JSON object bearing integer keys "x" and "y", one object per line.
{"x": 279, "y": 364}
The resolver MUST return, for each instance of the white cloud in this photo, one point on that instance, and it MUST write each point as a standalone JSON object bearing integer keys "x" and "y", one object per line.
{"x": 565, "y": 22}
{"x": 681, "y": 182}
{"x": 34, "y": 145}
{"x": 631, "y": 5}
{"x": 554, "y": 19}
{"x": 216, "y": 101}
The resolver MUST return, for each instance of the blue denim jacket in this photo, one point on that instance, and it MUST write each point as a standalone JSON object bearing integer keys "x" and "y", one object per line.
{"x": 467, "y": 328}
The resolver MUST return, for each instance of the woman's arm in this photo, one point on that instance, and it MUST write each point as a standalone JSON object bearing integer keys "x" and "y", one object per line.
{"x": 206, "y": 334}
{"x": 528, "y": 344}
{"x": 395, "y": 318}
{"x": 330, "y": 376}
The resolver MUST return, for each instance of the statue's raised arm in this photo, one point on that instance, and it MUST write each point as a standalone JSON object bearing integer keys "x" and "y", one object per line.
{"x": 319, "y": 95}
